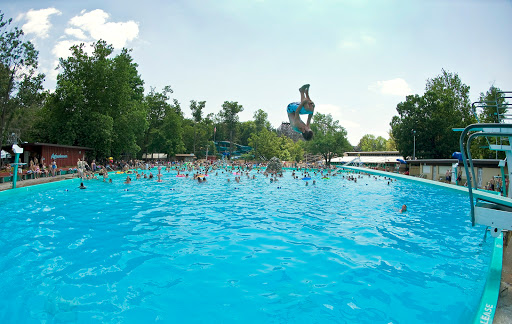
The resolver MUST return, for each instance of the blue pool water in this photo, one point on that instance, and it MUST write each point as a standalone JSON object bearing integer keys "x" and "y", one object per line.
{"x": 253, "y": 252}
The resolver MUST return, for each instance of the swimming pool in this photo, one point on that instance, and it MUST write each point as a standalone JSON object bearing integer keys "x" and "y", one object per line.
{"x": 180, "y": 251}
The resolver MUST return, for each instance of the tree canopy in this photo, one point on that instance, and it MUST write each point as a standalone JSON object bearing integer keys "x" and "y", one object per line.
{"x": 369, "y": 143}
{"x": 330, "y": 137}
{"x": 20, "y": 83}
{"x": 267, "y": 144}
{"x": 98, "y": 103}
{"x": 428, "y": 120}
{"x": 229, "y": 115}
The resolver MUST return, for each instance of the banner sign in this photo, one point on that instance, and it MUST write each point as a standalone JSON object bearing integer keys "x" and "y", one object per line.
{"x": 57, "y": 156}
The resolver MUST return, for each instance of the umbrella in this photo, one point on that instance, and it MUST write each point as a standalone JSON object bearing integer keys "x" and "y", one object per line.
{"x": 401, "y": 161}
{"x": 457, "y": 155}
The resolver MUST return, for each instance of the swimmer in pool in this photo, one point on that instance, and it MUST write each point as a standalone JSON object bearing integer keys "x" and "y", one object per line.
{"x": 82, "y": 186}
{"x": 403, "y": 209}
{"x": 304, "y": 107}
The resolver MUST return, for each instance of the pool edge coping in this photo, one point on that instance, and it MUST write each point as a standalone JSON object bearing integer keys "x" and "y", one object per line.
{"x": 489, "y": 299}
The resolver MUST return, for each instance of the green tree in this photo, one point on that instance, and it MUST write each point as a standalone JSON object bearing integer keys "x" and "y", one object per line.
{"x": 290, "y": 150}
{"x": 390, "y": 143}
{"x": 203, "y": 136}
{"x": 172, "y": 128}
{"x": 20, "y": 84}
{"x": 197, "y": 116}
{"x": 156, "y": 107}
{"x": 229, "y": 115}
{"x": 246, "y": 129}
{"x": 369, "y": 143}
{"x": 297, "y": 150}
{"x": 265, "y": 144}
{"x": 207, "y": 134}
{"x": 221, "y": 133}
{"x": 330, "y": 137}
{"x": 492, "y": 102}
{"x": 261, "y": 120}
{"x": 187, "y": 127}
{"x": 126, "y": 101}
{"x": 98, "y": 102}
{"x": 444, "y": 105}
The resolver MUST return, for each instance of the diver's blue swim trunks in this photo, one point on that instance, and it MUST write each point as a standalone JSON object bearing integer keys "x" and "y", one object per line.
{"x": 293, "y": 107}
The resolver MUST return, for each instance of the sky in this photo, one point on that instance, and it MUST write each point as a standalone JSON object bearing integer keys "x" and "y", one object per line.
{"x": 361, "y": 57}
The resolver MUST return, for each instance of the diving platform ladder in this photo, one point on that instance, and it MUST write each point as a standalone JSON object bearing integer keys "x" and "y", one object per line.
{"x": 499, "y": 115}
{"x": 486, "y": 208}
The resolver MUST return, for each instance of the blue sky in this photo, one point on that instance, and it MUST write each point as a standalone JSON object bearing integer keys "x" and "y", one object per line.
{"x": 360, "y": 57}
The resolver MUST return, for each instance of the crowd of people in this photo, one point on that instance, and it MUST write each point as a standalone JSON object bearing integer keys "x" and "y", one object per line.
{"x": 35, "y": 169}
{"x": 496, "y": 184}
{"x": 234, "y": 172}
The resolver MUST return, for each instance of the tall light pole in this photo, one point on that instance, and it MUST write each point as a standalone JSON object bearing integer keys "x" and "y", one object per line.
{"x": 414, "y": 149}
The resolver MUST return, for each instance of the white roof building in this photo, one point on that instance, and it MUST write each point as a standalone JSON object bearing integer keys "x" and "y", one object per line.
{"x": 159, "y": 156}
{"x": 378, "y": 157}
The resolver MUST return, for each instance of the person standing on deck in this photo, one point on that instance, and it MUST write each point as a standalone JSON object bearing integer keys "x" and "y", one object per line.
{"x": 54, "y": 168}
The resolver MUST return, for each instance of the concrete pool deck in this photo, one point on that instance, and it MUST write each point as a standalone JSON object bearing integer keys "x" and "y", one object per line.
{"x": 504, "y": 308}
{"x": 503, "y": 314}
{"x": 31, "y": 182}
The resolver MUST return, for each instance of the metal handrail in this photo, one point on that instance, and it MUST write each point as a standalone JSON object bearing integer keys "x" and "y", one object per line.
{"x": 470, "y": 138}
{"x": 465, "y": 158}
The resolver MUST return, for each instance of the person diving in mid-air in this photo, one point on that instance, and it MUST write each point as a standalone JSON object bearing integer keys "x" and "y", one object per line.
{"x": 304, "y": 107}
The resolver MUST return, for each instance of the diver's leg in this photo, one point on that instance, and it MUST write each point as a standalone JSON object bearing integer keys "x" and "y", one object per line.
{"x": 302, "y": 94}
{"x": 306, "y": 92}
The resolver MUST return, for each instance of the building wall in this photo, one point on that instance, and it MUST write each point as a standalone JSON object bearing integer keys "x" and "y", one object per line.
{"x": 414, "y": 170}
{"x": 489, "y": 173}
{"x": 65, "y": 157}
{"x": 429, "y": 170}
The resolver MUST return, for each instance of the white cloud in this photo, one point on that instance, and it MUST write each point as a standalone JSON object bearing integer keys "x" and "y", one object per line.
{"x": 75, "y": 32}
{"x": 87, "y": 28}
{"x": 337, "y": 113}
{"x": 52, "y": 73}
{"x": 354, "y": 129}
{"x": 349, "y": 44}
{"x": 395, "y": 87}
{"x": 38, "y": 21}
{"x": 94, "y": 23}
{"x": 367, "y": 39}
{"x": 61, "y": 49}
{"x": 358, "y": 41}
